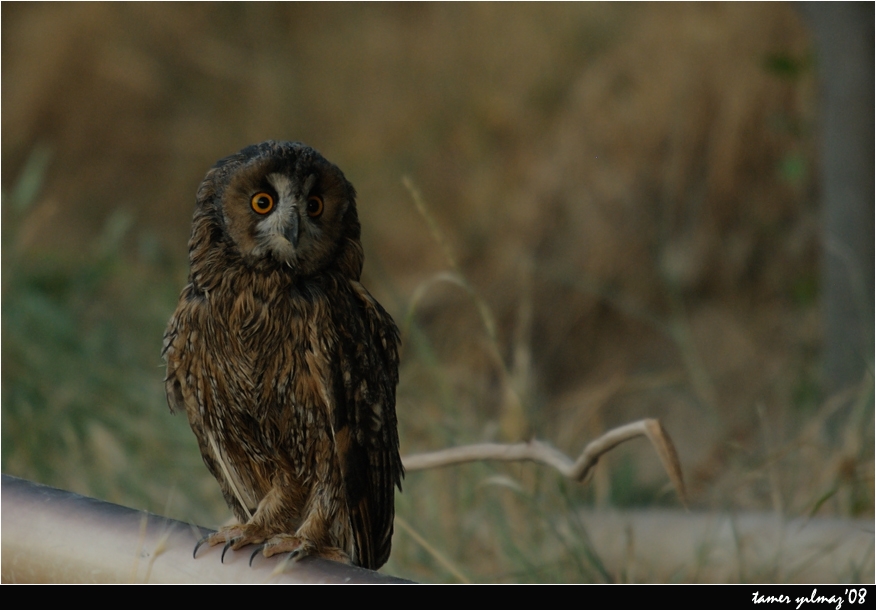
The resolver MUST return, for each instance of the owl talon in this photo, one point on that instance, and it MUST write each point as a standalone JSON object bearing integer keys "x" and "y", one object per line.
{"x": 199, "y": 544}
{"x": 258, "y": 550}
{"x": 227, "y": 546}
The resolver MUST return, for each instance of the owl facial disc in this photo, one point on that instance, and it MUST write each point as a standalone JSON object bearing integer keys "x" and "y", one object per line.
{"x": 280, "y": 230}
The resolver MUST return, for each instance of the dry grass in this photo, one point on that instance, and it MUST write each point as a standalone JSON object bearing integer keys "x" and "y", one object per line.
{"x": 626, "y": 190}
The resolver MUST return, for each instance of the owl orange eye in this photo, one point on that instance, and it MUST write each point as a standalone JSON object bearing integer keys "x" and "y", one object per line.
{"x": 262, "y": 203}
{"x": 314, "y": 206}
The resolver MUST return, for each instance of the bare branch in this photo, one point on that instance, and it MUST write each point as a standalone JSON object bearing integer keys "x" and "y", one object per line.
{"x": 543, "y": 453}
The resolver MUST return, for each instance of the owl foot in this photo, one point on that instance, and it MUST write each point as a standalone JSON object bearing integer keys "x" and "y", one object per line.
{"x": 281, "y": 543}
{"x": 298, "y": 548}
{"x": 234, "y": 537}
{"x": 284, "y": 543}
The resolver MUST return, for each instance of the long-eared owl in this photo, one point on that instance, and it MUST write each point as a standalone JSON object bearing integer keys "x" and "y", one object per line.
{"x": 284, "y": 363}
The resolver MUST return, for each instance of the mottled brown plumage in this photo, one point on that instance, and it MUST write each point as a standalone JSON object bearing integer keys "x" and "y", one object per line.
{"x": 284, "y": 363}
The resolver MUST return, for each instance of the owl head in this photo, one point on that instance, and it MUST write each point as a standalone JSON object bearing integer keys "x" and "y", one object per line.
{"x": 276, "y": 206}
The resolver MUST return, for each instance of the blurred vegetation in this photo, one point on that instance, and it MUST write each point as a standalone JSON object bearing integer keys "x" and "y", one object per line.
{"x": 626, "y": 207}
{"x": 81, "y": 377}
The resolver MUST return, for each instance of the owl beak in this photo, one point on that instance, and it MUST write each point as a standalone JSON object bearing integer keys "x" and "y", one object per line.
{"x": 291, "y": 232}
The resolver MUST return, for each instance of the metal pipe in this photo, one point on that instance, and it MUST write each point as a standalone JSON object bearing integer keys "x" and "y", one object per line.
{"x": 50, "y": 535}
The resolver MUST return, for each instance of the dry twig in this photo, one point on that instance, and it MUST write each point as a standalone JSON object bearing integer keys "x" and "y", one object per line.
{"x": 537, "y": 451}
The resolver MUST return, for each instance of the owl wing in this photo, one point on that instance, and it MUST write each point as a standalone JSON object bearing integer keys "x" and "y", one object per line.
{"x": 364, "y": 424}
{"x": 174, "y": 352}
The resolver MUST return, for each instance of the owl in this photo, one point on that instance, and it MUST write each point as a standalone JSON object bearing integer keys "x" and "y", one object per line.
{"x": 284, "y": 363}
